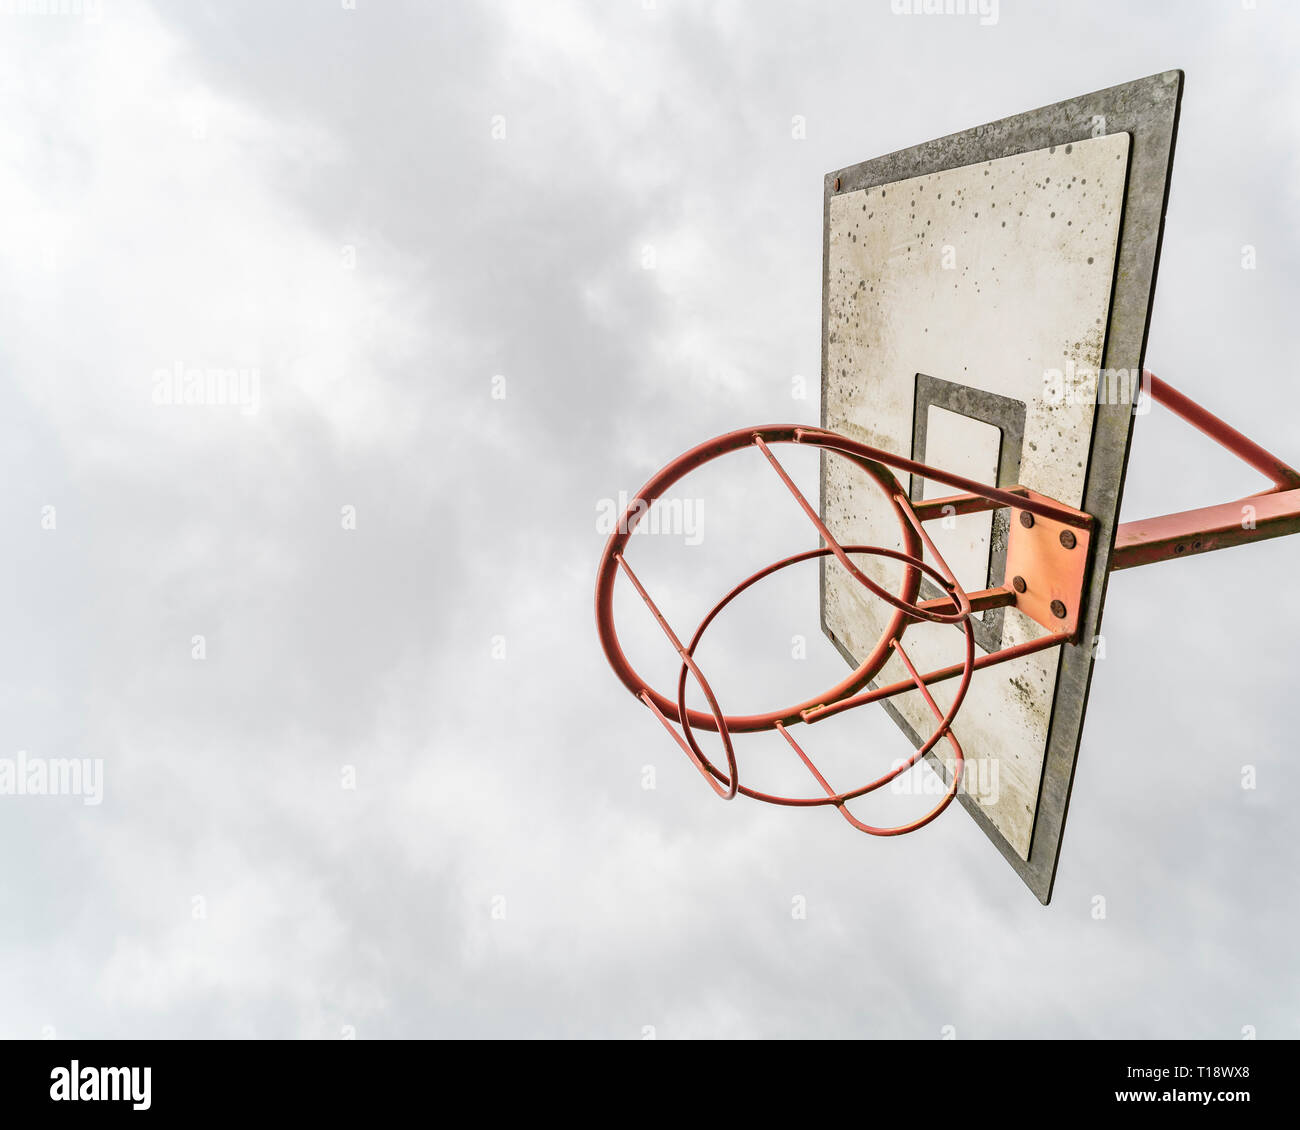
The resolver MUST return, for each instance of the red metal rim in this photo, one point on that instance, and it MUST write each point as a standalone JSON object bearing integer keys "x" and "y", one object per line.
{"x": 858, "y": 454}
{"x": 906, "y": 610}
{"x": 836, "y": 798}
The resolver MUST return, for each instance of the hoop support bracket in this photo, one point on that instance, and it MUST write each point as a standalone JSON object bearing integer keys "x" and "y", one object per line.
{"x": 1270, "y": 514}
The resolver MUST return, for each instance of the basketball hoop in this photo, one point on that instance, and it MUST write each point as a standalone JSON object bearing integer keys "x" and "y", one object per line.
{"x": 1048, "y": 586}
{"x": 986, "y": 302}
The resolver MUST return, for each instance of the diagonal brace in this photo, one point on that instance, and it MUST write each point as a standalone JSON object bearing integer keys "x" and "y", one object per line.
{"x": 1270, "y": 514}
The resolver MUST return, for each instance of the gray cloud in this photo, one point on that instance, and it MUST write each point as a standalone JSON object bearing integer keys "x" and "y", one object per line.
{"x": 318, "y": 194}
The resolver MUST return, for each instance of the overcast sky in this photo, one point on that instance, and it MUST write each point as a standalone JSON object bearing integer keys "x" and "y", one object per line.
{"x": 480, "y": 267}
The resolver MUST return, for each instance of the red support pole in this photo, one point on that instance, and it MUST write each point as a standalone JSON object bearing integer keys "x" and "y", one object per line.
{"x": 1270, "y": 514}
{"x": 1279, "y": 473}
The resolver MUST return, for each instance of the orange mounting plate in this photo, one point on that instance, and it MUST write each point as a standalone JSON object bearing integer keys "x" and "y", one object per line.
{"x": 1047, "y": 566}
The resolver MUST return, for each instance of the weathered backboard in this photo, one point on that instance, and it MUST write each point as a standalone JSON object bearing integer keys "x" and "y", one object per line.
{"x": 975, "y": 289}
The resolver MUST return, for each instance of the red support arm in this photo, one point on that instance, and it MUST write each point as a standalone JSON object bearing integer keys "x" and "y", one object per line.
{"x": 1269, "y": 514}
